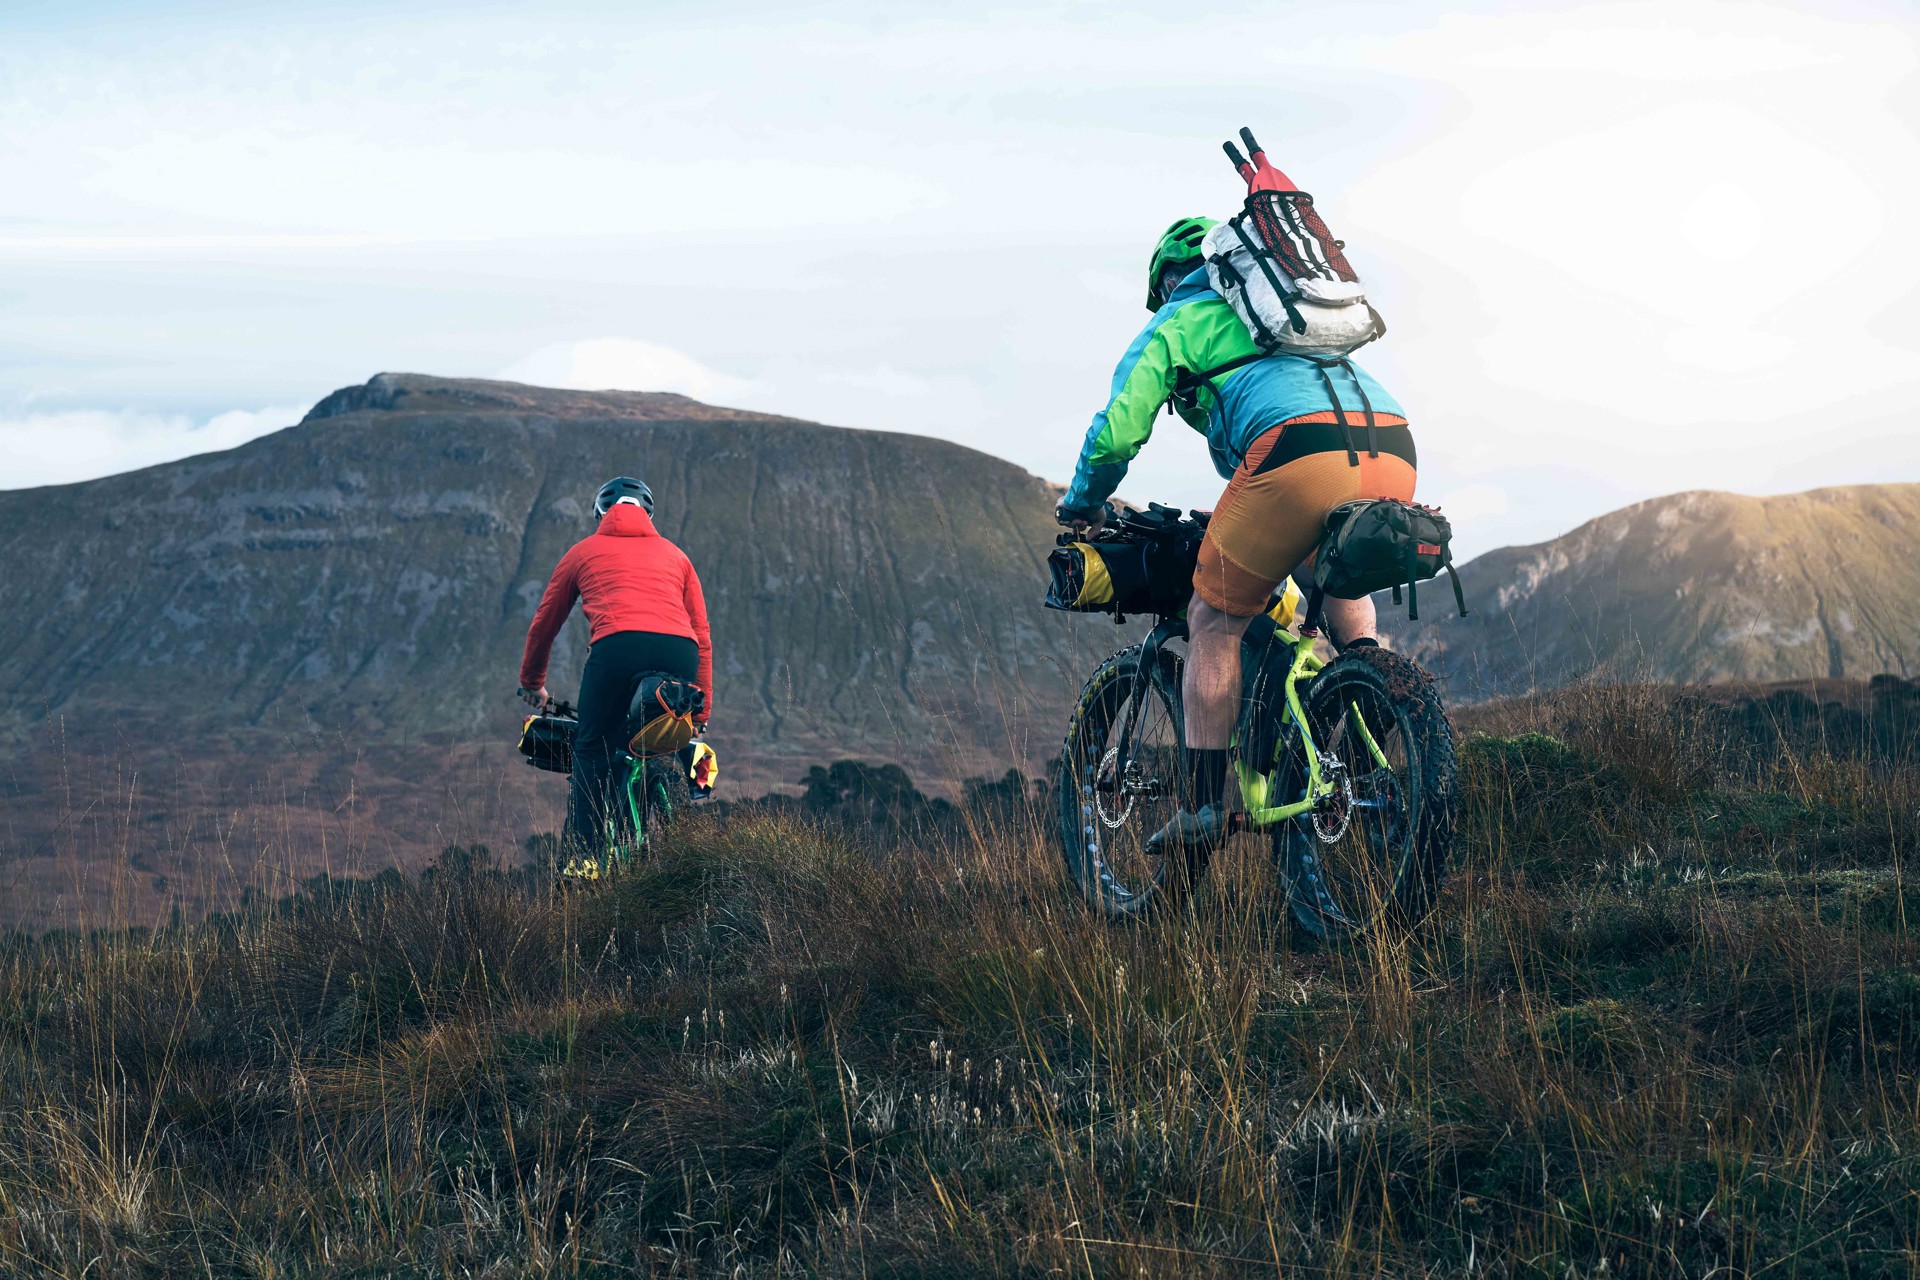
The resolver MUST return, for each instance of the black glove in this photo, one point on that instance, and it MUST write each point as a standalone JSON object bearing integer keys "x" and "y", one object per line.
{"x": 1080, "y": 521}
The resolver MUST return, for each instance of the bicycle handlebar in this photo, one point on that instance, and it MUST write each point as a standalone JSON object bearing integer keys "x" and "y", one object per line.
{"x": 1156, "y": 524}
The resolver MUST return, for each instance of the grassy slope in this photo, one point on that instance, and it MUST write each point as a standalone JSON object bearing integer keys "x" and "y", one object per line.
{"x": 1666, "y": 1020}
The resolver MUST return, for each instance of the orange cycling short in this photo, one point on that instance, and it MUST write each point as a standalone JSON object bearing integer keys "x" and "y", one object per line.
{"x": 1272, "y": 515}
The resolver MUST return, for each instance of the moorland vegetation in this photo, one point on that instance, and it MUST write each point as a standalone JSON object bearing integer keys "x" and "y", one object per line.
{"x": 1665, "y": 1021}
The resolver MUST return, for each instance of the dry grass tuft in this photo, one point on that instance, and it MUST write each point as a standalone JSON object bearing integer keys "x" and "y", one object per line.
{"x": 1665, "y": 1021}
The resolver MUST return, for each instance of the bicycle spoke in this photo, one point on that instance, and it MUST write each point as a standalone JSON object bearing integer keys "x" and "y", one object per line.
{"x": 1124, "y": 757}
{"x": 1354, "y": 873}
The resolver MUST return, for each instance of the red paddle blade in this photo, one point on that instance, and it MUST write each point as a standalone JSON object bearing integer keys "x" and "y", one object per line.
{"x": 1264, "y": 176}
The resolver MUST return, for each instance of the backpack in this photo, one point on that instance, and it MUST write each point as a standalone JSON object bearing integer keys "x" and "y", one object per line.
{"x": 660, "y": 717}
{"x": 1377, "y": 543}
{"x": 1282, "y": 271}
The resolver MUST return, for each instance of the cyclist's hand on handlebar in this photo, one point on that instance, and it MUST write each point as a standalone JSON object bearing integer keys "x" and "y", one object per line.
{"x": 1081, "y": 521}
{"x": 535, "y": 698}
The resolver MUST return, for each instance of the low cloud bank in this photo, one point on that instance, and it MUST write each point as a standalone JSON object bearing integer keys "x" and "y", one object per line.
{"x": 80, "y": 444}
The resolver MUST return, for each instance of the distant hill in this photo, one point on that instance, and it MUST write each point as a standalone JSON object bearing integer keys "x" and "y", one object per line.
{"x": 328, "y": 621}
{"x": 1697, "y": 587}
{"x": 375, "y": 567}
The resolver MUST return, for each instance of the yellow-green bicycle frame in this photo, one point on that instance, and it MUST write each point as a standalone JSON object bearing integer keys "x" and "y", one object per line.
{"x": 1256, "y": 789}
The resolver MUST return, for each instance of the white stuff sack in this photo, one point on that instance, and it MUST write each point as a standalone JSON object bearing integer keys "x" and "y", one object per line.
{"x": 1335, "y": 312}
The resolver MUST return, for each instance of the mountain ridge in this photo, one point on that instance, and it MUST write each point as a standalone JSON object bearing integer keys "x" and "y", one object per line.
{"x": 305, "y": 647}
{"x": 1697, "y": 587}
{"x": 376, "y": 565}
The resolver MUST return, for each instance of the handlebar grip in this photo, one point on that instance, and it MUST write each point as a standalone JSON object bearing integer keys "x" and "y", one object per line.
{"x": 1246, "y": 136}
{"x": 1233, "y": 154}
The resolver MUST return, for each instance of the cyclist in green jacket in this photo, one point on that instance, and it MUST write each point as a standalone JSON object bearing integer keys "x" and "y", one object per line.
{"x": 1280, "y": 429}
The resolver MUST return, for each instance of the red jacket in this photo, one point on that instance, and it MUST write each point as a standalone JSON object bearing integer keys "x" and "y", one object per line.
{"x": 627, "y": 578}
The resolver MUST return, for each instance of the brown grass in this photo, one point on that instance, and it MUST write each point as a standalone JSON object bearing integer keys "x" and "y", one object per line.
{"x": 1665, "y": 1021}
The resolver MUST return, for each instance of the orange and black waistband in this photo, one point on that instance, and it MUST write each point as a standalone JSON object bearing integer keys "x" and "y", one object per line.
{"x": 1321, "y": 433}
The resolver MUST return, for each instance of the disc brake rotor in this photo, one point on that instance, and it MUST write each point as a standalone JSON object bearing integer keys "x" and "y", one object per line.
{"x": 1334, "y": 813}
{"x": 1108, "y": 787}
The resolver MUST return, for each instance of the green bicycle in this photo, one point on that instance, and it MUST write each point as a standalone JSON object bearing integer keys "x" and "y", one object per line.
{"x": 653, "y": 790}
{"x": 1348, "y": 766}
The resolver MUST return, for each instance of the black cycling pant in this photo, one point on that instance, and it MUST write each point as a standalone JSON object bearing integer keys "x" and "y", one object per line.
{"x": 614, "y": 664}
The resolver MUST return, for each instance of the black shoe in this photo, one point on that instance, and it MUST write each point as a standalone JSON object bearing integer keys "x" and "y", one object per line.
{"x": 1190, "y": 830}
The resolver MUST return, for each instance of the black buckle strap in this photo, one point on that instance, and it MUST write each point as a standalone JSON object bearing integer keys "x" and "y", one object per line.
{"x": 1190, "y": 381}
{"x": 1316, "y": 599}
{"x": 1373, "y": 446}
{"x": 1459, "y": 596}
{"x": 1339, "y": 410}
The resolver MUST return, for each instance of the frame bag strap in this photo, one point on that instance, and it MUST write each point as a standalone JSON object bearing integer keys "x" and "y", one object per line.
{"x": 1412, "y": 563}
{"x": 1459, "y": 596}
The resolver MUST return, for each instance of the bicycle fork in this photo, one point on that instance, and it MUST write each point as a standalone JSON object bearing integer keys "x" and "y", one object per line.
{"x": 1256, "y": 787}
{"x": 1169, "y": 629}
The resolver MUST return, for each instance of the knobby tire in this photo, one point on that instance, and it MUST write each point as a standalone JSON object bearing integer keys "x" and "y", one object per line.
{"x": 1107, "y": 862}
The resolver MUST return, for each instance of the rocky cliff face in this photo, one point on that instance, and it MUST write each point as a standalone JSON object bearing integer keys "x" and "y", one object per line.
{"x": 1693, "y": 588}
{"x": 374, "y": 568}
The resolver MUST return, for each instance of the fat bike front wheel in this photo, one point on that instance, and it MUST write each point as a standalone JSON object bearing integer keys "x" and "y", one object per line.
{"x": 1375, "y": 851}
{"x": 1118, "y": 789}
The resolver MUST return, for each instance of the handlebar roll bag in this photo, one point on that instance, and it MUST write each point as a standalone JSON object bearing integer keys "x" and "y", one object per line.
{"x": 1121, "y": 577}
{"x": 1079, "y": 580}
{"x": 547, "y": 742}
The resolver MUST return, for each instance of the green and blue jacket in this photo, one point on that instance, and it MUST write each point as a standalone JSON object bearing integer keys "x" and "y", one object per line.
{"x": 1196, "y": 331}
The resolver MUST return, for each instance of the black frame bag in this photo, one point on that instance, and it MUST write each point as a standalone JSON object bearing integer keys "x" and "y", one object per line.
{"x": 1377, "y": 544}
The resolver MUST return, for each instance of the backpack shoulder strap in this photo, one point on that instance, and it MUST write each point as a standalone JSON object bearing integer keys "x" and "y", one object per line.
{"x": 1190, "y": 381}
{"x": 1238, "y": 362}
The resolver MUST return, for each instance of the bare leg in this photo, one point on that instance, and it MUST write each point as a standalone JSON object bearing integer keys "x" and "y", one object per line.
{"x": 1348, "y": 620}
{"x": 1210, "y": 685}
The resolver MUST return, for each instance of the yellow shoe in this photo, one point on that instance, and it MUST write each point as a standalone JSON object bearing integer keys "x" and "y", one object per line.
{"x": 582, "y": 869}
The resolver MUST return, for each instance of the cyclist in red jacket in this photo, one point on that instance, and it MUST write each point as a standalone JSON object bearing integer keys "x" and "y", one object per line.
{"x": 645, "y": 613}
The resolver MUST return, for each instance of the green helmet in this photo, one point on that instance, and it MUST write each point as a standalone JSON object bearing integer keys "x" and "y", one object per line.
{"x": 1179, "y": 243}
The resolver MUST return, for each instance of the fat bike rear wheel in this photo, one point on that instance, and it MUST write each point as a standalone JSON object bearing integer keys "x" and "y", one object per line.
{"x": 1113, "y": 796}
{"x": 1375, "y": 852}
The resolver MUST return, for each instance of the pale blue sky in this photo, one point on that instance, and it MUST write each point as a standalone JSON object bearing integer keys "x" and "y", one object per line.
{"x": 1623, "y": 248}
